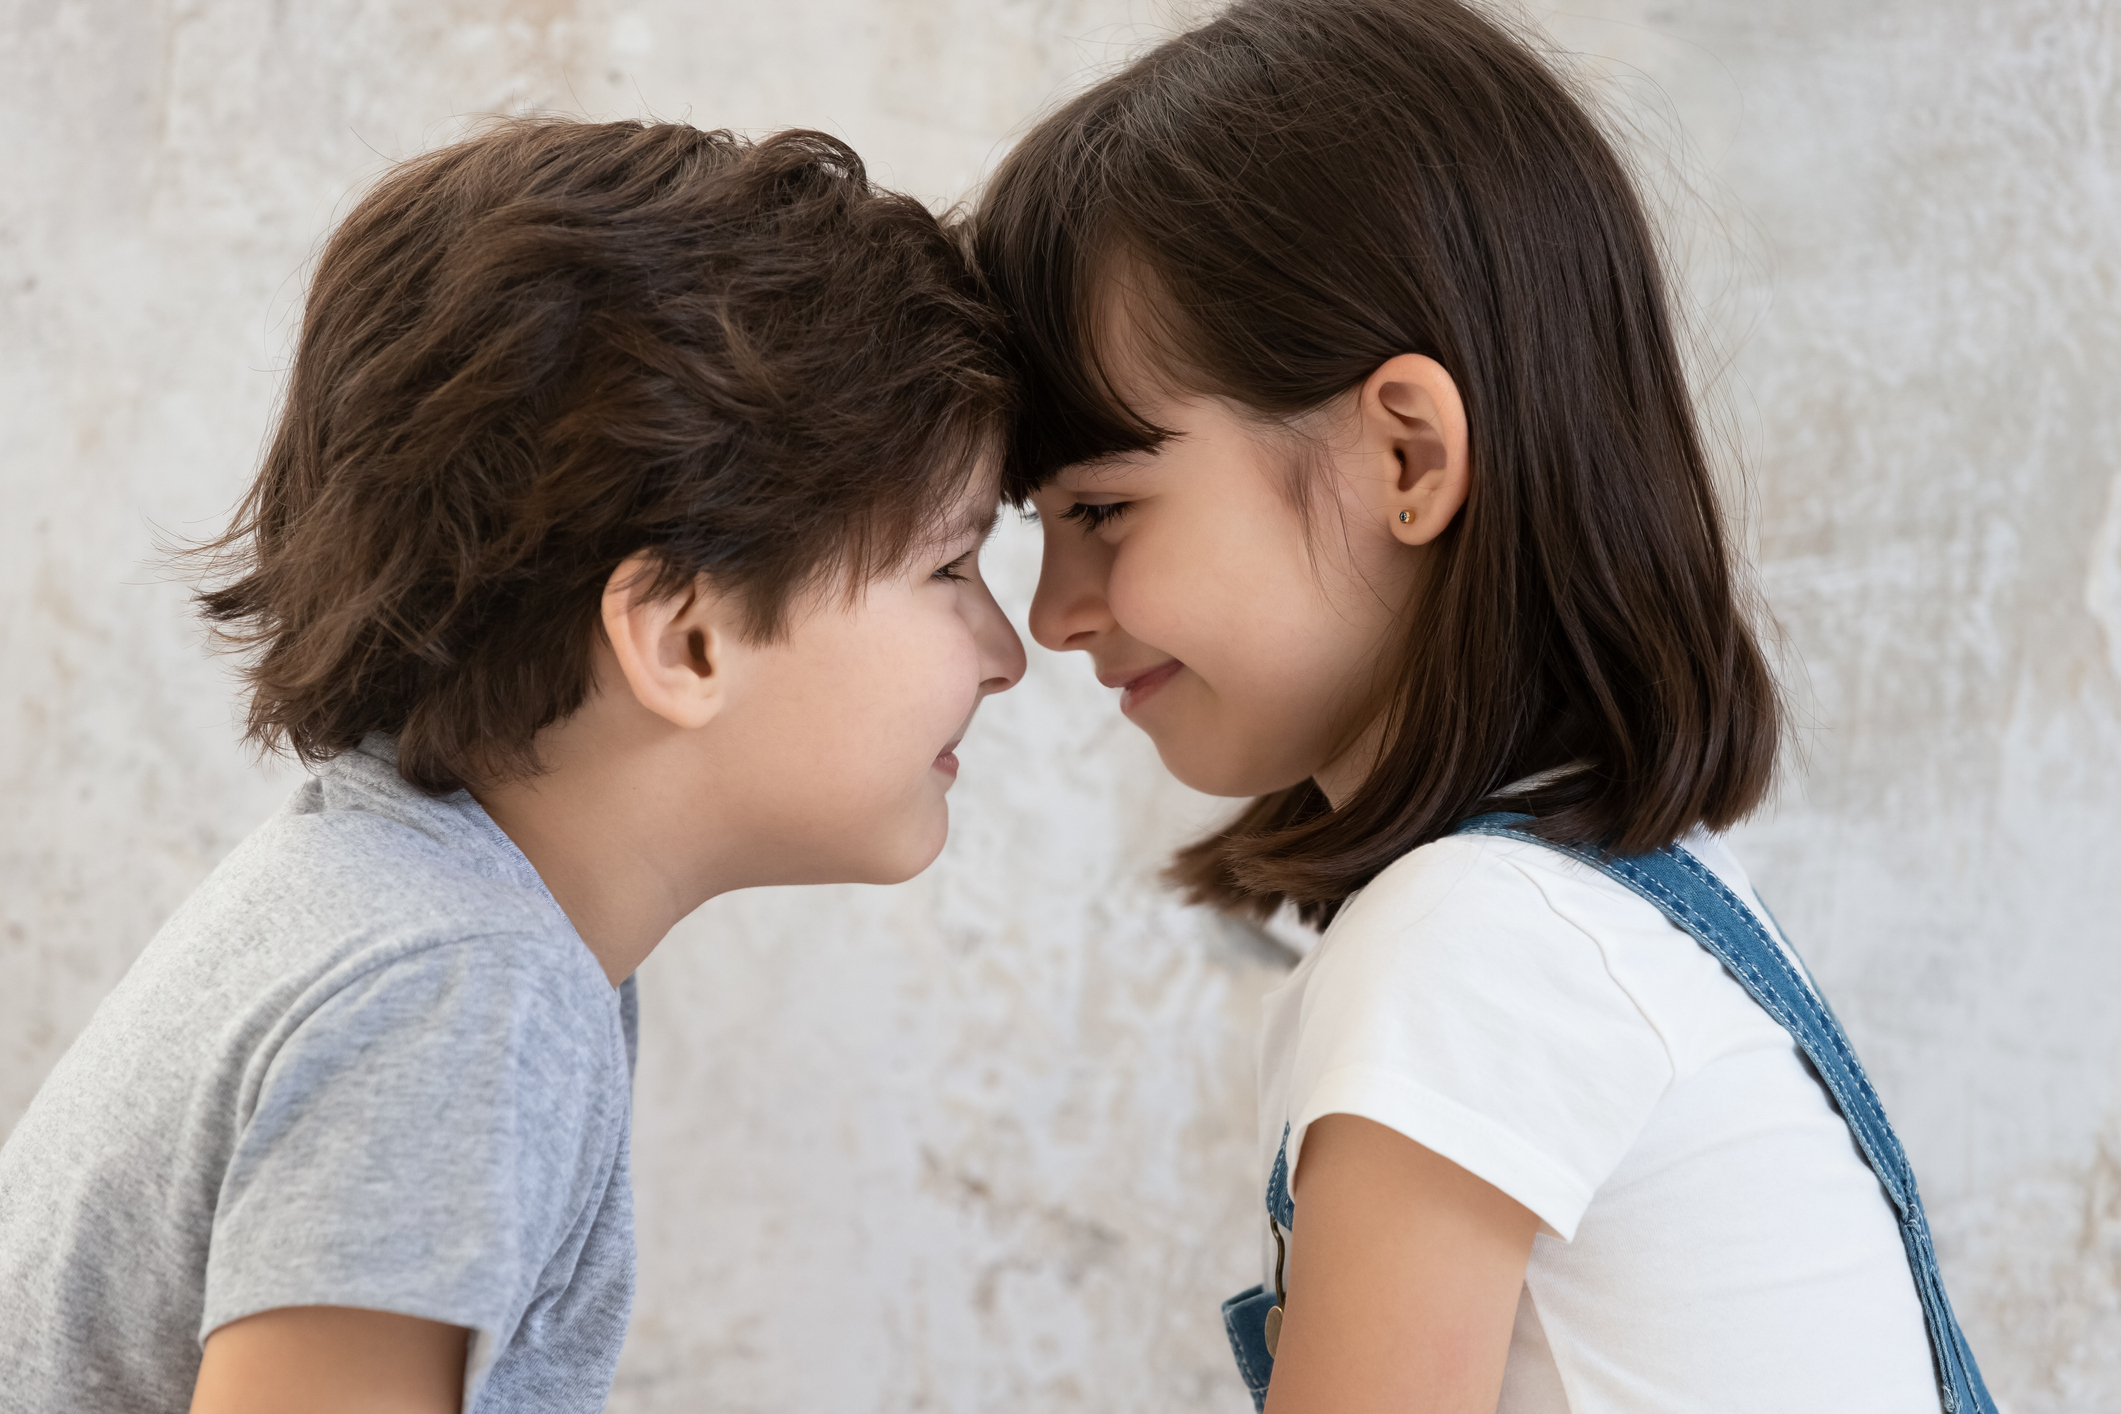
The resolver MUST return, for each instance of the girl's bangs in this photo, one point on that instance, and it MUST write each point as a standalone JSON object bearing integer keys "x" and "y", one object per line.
{"x": 1048, "y": 252}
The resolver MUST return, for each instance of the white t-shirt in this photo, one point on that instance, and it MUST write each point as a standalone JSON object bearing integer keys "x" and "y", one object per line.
{"x": 1710, "y": 1238}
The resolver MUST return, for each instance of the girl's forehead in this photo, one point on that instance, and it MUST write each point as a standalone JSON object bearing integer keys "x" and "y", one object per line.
{"x": 1135, "y": 339}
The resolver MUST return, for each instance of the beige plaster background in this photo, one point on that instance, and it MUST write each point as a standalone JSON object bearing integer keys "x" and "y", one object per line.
{"x": 983, "y": 1141}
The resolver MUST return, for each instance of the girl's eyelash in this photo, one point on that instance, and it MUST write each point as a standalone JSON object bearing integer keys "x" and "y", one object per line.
{"x": 952, "y": 570}
{"x": 1091, "y": 517}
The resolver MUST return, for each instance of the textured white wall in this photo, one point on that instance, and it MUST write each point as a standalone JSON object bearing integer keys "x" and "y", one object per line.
{"x": 983, "y": 1141}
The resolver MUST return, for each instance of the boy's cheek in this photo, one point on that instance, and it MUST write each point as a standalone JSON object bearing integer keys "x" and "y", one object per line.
{"x": 918, "y": 680}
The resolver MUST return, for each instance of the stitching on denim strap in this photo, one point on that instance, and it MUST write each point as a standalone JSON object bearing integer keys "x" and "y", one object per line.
{"x": 1889, "y": 1164}
{"x": 1843, "y": 1053}
{"x": 1253, "y": 1379}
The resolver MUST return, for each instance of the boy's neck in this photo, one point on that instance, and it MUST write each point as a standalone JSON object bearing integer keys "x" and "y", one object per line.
{"x": 614, "y": 827}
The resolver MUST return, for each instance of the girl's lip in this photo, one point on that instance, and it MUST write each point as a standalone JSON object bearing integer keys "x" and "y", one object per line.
{"x": 1135, "y": 690}
{"x": 947, "y": 762}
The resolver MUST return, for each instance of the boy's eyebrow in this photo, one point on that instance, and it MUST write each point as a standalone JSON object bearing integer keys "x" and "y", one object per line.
{"x": 978, "y": 524}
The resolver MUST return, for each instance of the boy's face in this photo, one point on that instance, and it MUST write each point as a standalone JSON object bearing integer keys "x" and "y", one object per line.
{"x": 846, "y": 728}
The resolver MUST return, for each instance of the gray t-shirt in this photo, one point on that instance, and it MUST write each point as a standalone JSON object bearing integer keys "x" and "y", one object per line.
{"x": 369, "y": 1063}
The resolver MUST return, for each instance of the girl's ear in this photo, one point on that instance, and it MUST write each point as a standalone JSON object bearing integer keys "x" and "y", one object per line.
{"x": 675, "y": 653}
{"x": 1411, "y": 411}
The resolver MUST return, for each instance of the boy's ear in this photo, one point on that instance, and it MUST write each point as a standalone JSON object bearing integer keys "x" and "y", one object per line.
{"x": 1411, "y": 407}
{"x": 674, "y": 652}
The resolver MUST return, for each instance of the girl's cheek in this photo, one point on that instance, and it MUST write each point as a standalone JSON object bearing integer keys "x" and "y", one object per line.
{"x": 1147, "y": 590}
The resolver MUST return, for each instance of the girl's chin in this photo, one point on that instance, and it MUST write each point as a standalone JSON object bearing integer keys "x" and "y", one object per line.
{"x": 1221, "y": 769}
{"x": 1197, "y": 770}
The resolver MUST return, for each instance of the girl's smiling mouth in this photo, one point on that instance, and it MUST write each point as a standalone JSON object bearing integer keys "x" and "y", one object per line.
{"x": 1136, "y": 687}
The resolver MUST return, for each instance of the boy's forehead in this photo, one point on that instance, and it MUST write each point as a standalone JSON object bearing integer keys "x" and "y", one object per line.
{"x": 977, "y": 504}
{"x": 974, "y": 522}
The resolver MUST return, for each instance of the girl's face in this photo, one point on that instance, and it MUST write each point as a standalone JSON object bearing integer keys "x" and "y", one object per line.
{"x": 1251, "y": 642}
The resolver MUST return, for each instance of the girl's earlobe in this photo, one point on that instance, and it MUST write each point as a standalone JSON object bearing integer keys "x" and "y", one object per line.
{"x": 1408, "y": 526}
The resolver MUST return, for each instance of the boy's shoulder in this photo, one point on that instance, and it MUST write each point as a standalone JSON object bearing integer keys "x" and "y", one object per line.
{"x": 361, "y": 870}
{"x": 357, "y": 840}
{"x": 368, "y": 1063}
{"x": 367, "y": 911}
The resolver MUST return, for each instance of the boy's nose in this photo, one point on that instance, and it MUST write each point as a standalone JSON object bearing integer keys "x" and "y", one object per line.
{"x": 1001, "y": 651}
{"x": 1006, "y": 669}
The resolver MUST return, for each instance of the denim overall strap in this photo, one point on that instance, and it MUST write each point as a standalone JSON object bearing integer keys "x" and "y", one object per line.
{"x": 1245, "y": 1315}
{"x": 1690, "y": 895}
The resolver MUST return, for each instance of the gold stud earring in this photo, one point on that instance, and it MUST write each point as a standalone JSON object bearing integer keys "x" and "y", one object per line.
{"x": 1406, "y": 517}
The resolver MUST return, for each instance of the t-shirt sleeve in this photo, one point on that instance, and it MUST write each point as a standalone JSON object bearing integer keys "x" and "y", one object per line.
{"x": 423, "y": 1138}
{"x": 1455, "y": 1004}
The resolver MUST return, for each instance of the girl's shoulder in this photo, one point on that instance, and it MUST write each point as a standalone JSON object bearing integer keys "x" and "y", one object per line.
{"x": 1531, "y": 929}
{"x": 1462, "y": 915}
{"x": 1487, "y": 998}
{"x": 1480, "y": 880}
{"x": 1488, "y": 880}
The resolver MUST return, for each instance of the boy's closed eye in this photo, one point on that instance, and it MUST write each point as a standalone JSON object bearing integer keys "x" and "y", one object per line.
{"x": 974, "y": 537}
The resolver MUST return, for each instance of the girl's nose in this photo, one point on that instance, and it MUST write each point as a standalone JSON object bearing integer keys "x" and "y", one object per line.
{"x": 1069, "y": 610}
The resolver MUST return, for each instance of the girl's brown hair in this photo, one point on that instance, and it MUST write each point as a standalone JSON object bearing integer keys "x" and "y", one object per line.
{"x": 534, "y": 353}
{"x": 1313, "y": 187}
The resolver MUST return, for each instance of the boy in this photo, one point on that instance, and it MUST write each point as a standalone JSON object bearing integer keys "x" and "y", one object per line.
{"x": 617, "y": 548}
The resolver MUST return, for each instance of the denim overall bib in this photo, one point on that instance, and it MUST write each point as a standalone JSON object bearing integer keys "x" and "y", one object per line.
{"x": 1696, "y": 901}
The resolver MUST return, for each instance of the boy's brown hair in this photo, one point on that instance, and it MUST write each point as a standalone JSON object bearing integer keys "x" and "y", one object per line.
{"x": 1312, "y": 187}
{"x": 534, "y": 353}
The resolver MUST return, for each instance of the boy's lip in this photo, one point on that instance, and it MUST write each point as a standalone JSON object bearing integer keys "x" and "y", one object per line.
{"x": 1135, "y": 686}
{"x": 946, "y": 759}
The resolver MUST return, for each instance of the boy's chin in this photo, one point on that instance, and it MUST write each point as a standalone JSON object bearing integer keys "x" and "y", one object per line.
{"x": 910, "y": 850}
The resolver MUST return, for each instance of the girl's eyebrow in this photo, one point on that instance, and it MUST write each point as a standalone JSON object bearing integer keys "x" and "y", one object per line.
{"x": 1103, "y": 468}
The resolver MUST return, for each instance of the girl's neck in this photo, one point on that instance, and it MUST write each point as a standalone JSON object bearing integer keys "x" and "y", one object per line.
{"x": 1341, "y": 777}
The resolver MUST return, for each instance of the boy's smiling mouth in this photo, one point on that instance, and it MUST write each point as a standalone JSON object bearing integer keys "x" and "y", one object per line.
{"x": 946, "y": 759}
{"x": 1135, "y": 687}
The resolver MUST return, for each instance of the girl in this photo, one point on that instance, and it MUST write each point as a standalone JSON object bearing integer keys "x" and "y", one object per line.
{"x": 1369, "y": 476}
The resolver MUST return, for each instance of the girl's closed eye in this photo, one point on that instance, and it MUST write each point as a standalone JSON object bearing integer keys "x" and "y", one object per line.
{"x": 1094, "y": 517}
